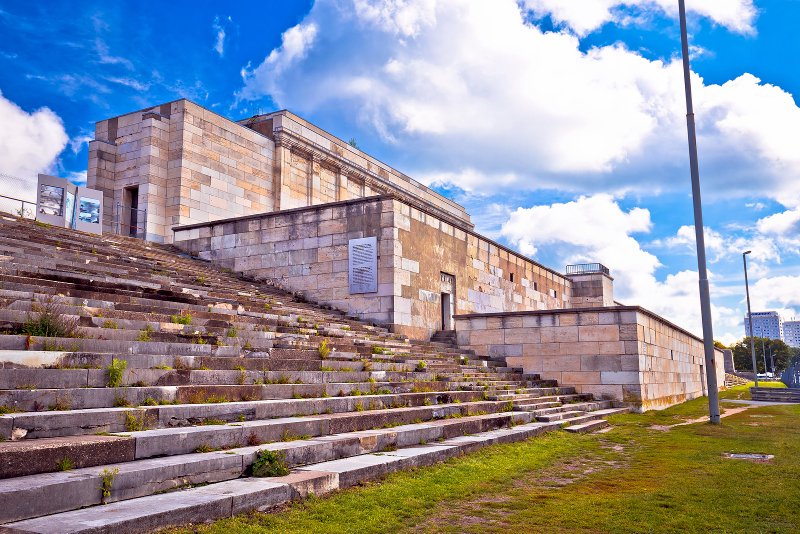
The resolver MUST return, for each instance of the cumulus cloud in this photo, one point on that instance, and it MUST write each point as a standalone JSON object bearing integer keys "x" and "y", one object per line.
{"x": 585, "y": 16}
{"x": 780, "y": 293}
{"x": 596, "y": 229}
{"x": 29, "y": 142}
{"x": 489, "y": 102}
{"x": 267, "y": 77}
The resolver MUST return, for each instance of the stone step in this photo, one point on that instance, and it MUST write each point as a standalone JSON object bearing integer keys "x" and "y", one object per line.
{"x": 559, "y": 416}
{"x": 35, "y": 495}
{"x": 225, "y": 499}
{"x": 599, "y": 414}
{"x": 587, "y": 427}
{"x": 34, "y": 400}
{"x": 32, "y": 425}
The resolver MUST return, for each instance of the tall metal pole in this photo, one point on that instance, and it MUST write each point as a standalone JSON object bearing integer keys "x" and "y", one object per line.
{"x": 750, "y": 317}
{"x": 764, "y": 355}
{"x": 705, "y": 297}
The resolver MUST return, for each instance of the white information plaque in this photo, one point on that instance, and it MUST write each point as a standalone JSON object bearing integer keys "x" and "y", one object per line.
{"x": 363, "y": 256}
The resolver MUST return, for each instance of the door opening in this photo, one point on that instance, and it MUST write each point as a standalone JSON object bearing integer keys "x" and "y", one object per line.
{"x": 447, "y": 311}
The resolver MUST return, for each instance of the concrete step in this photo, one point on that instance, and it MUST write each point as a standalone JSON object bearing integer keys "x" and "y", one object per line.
{"x": 587, "y": 427}
{"x": 559, "y": 416}
{"x": 598, "y": 414}
{"x": 225, "y": 499}
{"x": 44, "y": 424}
{"x": 34, "y": 495}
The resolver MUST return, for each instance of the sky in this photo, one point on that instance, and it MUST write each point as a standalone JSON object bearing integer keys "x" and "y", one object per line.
{"x": 559, "y": 124}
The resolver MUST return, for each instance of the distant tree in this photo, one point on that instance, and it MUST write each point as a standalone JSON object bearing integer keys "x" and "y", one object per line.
{"x": 719, "y": 345}
{"x": 352, "y": 143}
{"x": 780, "y": 351}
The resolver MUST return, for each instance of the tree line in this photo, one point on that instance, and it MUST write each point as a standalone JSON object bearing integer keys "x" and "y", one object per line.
{"x": 782, "y": 354}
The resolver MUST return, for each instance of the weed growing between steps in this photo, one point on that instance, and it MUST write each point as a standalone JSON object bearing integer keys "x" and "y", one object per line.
{"x": 50, "y": 319}
{"x": 630, "y": 479}
{"x": 269, "y": 464}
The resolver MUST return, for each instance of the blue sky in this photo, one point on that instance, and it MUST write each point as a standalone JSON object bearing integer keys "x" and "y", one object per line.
{"x": 559, "y": 125}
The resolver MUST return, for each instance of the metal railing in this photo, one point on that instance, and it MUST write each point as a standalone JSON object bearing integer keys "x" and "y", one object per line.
{"x": 587, "y": 268}
{"x": 18, "y": 187}
{"x": 135, "y": 217}
{"x": 17, "y": 206}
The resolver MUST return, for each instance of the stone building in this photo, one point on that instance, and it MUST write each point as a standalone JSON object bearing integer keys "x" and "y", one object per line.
{"x": 277, "y": 198}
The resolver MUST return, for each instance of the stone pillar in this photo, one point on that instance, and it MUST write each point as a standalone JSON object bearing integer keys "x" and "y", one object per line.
{"x": 281, "y": 173}
{"x": 591, "y": 290}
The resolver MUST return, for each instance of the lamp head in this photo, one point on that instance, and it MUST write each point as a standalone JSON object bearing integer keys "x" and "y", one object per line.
{"x": 748, "y": 252}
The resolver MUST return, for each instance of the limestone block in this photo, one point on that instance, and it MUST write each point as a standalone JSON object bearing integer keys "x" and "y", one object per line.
{"x": 628, "y": 332}
{"x": 272, "y": 235}
{"x": 580, "y": 348}
{"x": 522, "y": 335}
{"x": 487, "y": 337}
{"x": 561, "y": 363}
{"x": 605, "y": 392}
{"x": 611, "y": 347}
{"x": 560, "y": 334}
{"x": 542, "y": 349}
{"x": 610, "y": 317}
{"x": 599, "y": 333}
{"x": 513, "y": 322}
{"x": 504, "y": 350}
{"x": 620, "y": 377}
{"x": 601, "y": 363}
{"x": 569, "y": 378}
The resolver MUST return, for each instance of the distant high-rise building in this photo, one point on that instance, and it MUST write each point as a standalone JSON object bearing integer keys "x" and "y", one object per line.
{"x": 791, "y": 332}
{"x": 765, "y": 324}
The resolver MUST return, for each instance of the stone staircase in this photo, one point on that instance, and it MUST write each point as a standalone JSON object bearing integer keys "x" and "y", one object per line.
{"x": 178, "y": 376}
{"x": 769, "y": 394}
{"x": 733, "y": 380}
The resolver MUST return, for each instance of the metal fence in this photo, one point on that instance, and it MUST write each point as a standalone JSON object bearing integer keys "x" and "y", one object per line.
{"x": 791, "y": 376}
{"x": 131, "y": 222}
{"x": 587, "y": 268}
{"x": 13, "y": 194}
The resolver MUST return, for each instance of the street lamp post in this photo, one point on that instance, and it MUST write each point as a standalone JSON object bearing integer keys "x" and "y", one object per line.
{"x": 750, "y": 317}
{"x": 705, "y": 297}
{"x": 764, "y": 355}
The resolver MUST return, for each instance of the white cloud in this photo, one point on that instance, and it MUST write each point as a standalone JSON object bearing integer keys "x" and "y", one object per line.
{"x": 780, "y": 293}
{"x": 489, "y": 102}
{"x": 106, "y": 58}
{"x": 29, "y": 142}
{"x": 585, "y": 16}
{"x": 719, "y": 246}
{"x": 77, "y": 142}
{"x": 786, "y": 223}
{"x": 296, "y": 42}
{"x": 77, "y": 178}
{"x": 219, "y": 44}
{"x": 596, "y": 229}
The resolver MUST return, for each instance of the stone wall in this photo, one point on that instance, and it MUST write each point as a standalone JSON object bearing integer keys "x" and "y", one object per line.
{"x": 305, "y": 249}
{"x": 191, "y": 165}
{"x": 624, "y": 353}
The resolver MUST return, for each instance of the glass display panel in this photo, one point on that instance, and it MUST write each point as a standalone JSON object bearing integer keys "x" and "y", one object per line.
{"x": 69, "y": 209}
{"x": 51, "y": 200}
{"x": 89, "y": 210}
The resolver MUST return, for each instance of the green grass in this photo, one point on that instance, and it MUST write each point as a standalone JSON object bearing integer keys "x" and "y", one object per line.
{"x": 629, "y": 480}
{"x": 743, "y": 392}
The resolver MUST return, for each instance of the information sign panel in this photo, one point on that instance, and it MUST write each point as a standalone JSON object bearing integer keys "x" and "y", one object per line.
{"x": 363, "y": 261}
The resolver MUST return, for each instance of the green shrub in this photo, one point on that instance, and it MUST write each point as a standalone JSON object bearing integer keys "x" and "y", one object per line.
{"x": 138, "y": 420}
{"x": 182, "y": 319}
{"x": 50, "y": 320}
{"x": 323, "y": 349}
{"x": 116, "y": 372}
{"x": 108, "y": 477}
{"x": 270, "y": 464}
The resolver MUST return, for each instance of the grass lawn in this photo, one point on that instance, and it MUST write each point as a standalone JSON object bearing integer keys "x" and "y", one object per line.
{"x": 634, "y": 478}
{"x": 743, "y": 392}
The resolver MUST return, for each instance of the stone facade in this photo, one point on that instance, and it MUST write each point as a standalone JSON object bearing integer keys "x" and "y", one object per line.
{"x": 624, "y": 353}
{"x": 185, "y": 164}
{"x": 423, "y": 262}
